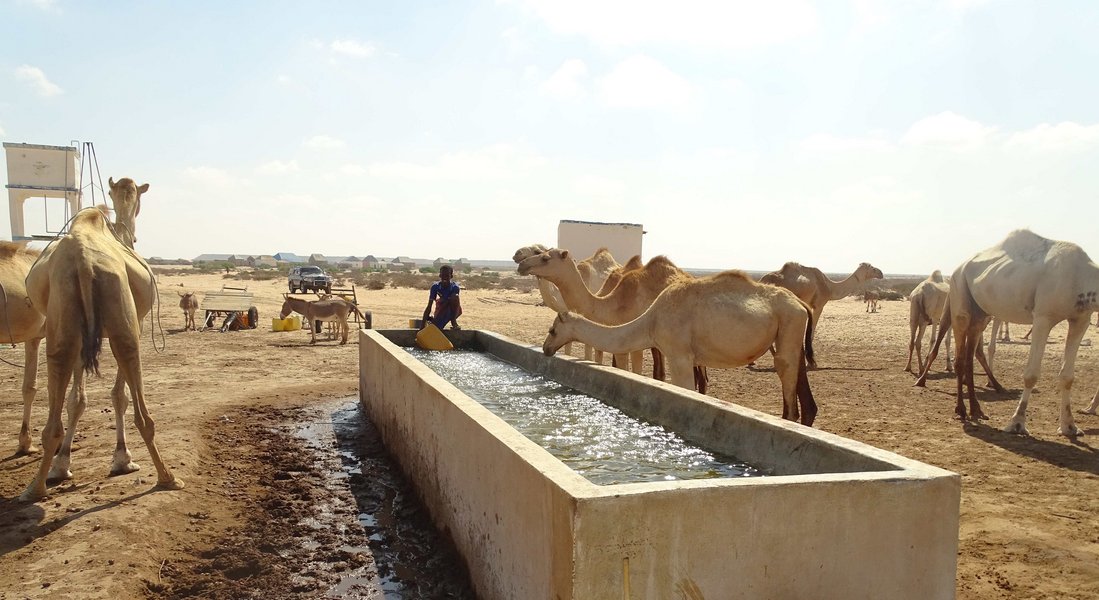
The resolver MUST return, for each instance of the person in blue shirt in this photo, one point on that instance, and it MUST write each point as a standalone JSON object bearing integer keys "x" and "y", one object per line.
{"x": 444, "y": 293}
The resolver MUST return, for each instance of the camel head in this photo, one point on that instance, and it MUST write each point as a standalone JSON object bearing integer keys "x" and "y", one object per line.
{"x": 560, "y": 333}
{"x": 544, "y": 262}
{"x": 527, "y": 251}
{"x": 868, "y": 271}
{"x": 127, "y": 205}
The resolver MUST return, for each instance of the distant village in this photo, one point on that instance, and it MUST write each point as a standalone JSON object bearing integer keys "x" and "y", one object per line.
{"x": 366, "y": 263}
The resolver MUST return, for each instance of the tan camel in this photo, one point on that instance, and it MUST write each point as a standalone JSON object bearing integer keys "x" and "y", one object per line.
{"x": 815, "y": 289}
{"x": 594, "y": 271}
{"x": 91, "y": 287}
{"x": 21, "y": 323}
{"x": 724, "y": 320}
{"x": 925, "y": 305}
{"x": 332, "y": 309}
{"x": 1024, "y": 279}
{"x": 127, "y": 199}
{"x": 635, "y": 292}
{"x": 188, "y": 301}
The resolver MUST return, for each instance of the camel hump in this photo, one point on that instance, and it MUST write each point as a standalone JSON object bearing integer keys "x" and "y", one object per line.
{"x": 633, "y": 264}
{"x": 790, "y": 267}
{"x": 1025, "y": 245}
{"x": 936, "y": 276}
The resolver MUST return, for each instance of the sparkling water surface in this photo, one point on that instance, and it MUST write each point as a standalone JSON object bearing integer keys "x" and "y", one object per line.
{"x": 598, "y": 441}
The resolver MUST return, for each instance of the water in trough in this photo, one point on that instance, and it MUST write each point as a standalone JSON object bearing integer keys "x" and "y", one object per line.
{"x": 596, "y": 440}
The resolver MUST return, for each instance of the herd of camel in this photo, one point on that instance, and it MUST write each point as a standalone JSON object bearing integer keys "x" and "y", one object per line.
{"x": 729, "y": 320}
{"x": 90, "y": 284}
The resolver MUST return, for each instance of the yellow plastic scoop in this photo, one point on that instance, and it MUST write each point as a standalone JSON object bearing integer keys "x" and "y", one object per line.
{"x": 430, "y": 338}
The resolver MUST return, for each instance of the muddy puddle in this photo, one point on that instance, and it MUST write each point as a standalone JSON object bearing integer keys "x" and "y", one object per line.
{"x": 334, "y": 517}
{"x": 410, "y": 560}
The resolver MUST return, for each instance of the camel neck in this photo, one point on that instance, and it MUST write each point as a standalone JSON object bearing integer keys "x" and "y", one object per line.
{"x": 842, "y": 289}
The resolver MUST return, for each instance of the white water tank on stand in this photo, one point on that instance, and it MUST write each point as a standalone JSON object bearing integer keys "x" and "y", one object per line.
{"x": 34, "y": 171}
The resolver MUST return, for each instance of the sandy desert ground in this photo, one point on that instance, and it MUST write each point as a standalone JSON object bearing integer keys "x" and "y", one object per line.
{"x": 223, "y": 403}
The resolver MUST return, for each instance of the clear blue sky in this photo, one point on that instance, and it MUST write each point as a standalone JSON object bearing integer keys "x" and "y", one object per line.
{"x": 740, "y": 134}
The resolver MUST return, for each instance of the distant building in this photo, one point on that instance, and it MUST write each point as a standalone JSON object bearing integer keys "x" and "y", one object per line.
{"x": 583, "y": 238}
{"x": 289, "y": 257}
{"x": 229, "y": 258}
{"x": 317, "y": 259}
{"x": 262, "y": 260}
{"x": 371, "y": 262}
{"x": 402, "y": 263}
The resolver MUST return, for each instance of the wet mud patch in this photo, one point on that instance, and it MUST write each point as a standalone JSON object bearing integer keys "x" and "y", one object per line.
{"x": 328, "y": 514}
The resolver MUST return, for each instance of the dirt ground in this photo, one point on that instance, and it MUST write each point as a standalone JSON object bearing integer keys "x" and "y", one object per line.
{"x": 262, "y": 516}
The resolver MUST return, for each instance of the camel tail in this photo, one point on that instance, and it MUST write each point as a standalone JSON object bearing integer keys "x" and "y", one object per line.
{"x": 92, "y": 342}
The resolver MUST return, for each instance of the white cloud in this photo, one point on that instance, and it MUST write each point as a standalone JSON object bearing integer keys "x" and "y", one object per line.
{"x": 284, "y": 80}
{"x": 1054, "y": 138}
{"x": 276, "y": 167}
{"x": 871, "y": 14}
{"x": 213, "y": 177}
{"x": 947, "y": 129}
{"x": 37, "y": 80}
{"x": 823, "y": 143}
{"x": 353, "y": 48}
{"x": 498, "y": 162}
{"x": 963, "y": 6}
{"x": 642, "y": 82}
{"x": 567, "y": 82}
{"x": 324, "y": 142}
{"x": 725, "y": 24}
{"x": 353, "y": 170}
{"x": 46, "y": 5}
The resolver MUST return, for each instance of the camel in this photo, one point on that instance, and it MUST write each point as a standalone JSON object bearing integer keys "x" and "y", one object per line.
{"x": 594, "y": 270}
{"x": 1024, "y": 279}
{"x": 332, "y": 309}
{"x": 872, "y": 298}
{"x": 926, "y": 304}
{"x": 635, "y": 292}
{"x": 724, "y": 320}
{"x": 21, "y": 323}
{"x": 815, "y": 289}
{"x": 13, "y": 274}
{"x": 92, "y": 286}
{"x": 189, "y": 303}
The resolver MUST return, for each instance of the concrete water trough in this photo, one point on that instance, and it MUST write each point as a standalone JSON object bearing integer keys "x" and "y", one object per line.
{"x": 833, "y": 518}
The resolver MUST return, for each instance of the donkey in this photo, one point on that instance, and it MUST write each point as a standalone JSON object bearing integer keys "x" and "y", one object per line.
{"x": 332, "y": 309}
{"x": 189, "y": 303}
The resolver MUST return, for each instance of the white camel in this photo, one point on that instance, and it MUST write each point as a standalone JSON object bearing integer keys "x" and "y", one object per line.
{"x": 815, "y": 289}
{"x": 926, "y": 304}
{"x": 724, "y": 320}
{"x": 1024, "y": 279}
{"x": 92, "y": 285}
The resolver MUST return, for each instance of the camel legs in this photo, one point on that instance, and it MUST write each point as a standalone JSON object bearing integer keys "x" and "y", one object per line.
{"x": 122, "y": 462}
{"x": 30, "y": 389}
{"x": 125, "y": 349}
{"x": 75, "y": 403}
{"x": 788, "y": 376}
{"x": 62, "y": 365}
{"x": 915, "y": 341}
{"x": 967, "y": 341}
{"x": 1093, "y": 408}
{"x": 1042, "y": 326}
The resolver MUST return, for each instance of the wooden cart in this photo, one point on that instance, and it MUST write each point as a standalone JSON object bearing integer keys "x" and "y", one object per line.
{"x": 231, "y": 303}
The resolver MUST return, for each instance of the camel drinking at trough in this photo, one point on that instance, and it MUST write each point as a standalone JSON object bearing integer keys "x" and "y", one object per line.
{"x": 724, "y": 320}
